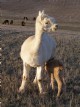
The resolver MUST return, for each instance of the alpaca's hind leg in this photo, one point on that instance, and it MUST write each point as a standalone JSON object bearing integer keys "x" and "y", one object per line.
{"x": 25, "y": 77}
{"x": 58, "y": 80}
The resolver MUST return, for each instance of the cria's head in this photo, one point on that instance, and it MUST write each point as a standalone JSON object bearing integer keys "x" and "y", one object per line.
{"x": 46, "y": 22}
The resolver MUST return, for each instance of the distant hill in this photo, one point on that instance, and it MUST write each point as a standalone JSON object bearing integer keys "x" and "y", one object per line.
{"x": 67, "y": 10}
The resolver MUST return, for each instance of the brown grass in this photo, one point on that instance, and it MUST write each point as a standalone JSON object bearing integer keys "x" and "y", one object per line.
{"x": 68, "y": 50}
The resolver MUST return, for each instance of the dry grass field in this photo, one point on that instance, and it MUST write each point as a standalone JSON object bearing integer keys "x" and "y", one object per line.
{"x": 68, "y": 51}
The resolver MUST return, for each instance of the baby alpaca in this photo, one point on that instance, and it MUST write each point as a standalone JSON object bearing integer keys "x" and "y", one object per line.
{"x": 54, "y": 68}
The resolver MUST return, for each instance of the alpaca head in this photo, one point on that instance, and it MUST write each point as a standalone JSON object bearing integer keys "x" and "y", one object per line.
{"x": 45, "y": 22}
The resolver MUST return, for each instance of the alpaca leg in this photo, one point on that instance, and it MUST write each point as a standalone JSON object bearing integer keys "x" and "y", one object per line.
{"x": 35, "y": 80}
{"x": 58, "y": 80}
{"x": 39, "y": 78}
{"x": 25, "y": 77}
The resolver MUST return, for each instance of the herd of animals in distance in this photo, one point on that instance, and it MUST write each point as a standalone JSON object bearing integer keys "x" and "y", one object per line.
{"x": 23, "y": 22}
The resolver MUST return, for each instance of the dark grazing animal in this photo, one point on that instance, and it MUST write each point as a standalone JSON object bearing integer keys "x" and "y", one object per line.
{"x": 34, "y": 18}
{"x": 23, "y": 23}
{"x": 6, "y": 22}
{"x": 25, "y": 18}
{"x": 11, "y": 22}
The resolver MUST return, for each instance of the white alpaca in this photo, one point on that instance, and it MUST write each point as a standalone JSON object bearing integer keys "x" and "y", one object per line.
{"x": 38, "y": 49}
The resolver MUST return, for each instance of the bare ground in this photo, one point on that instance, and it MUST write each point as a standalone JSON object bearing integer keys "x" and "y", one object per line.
{"x": 68, "y": 51}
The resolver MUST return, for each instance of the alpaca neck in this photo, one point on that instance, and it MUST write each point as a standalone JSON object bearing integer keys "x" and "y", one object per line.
{"x": 38, "y": 37}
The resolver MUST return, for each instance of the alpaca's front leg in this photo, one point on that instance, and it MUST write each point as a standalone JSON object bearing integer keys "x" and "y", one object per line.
{"x": 39, "y": 78}
{"x": 25, "y": 77}
{"x": 35, "y": 80}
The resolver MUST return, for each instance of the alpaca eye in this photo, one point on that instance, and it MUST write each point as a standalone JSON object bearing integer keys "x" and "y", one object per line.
{"x": 46, "y": 22}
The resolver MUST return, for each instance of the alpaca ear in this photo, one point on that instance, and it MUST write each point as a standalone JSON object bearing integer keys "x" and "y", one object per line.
{"x": 40, "y": 13}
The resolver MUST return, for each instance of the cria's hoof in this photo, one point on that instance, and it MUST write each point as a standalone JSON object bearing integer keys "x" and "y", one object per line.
{"x": 58, "y": 99}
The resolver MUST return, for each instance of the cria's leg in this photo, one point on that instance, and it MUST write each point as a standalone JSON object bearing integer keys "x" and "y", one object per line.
{"x": 58, "y": 79}
{"x": 39, "y": 78}
{"x": 52, "y": 81}
{"x": 25, "y": 77}
{"x": 59, "y": 86}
